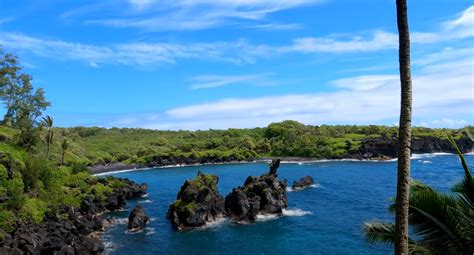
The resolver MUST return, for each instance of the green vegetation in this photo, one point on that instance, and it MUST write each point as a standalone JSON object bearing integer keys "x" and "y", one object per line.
{"x": 31, "y": 185}
{"x": 96, "y": 145}
{"x": 442, "y": 223}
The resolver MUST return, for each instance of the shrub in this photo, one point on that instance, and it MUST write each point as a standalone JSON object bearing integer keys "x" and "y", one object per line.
{"x": 33, "y": 209}
{"x": 100, "y": 191}
{"x": 36, "y": 173}
{"x": 15, "y": 194}
{"x": 78, "y": 167}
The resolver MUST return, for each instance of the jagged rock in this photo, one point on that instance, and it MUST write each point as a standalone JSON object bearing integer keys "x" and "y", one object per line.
{"x": 71, "y": 234}
{"x": 259, "y": 195}
{"x": 137, "y": 219}
{"x": 303, "y": 183}
{"x": 198, "y": 202}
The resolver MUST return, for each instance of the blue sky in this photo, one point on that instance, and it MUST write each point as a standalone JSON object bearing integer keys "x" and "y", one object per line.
{"x": 244, "y": 63}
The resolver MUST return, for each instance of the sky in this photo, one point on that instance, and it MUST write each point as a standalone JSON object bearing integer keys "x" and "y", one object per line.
{"x": 202, "y": 64}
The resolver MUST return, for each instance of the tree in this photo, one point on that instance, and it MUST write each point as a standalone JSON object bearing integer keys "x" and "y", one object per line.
{"x": 48, "y": 123}
{"x": 443, "y": 223}
{"x": 404, "y": 132}
{"x": 23, "y": 103}
{"x": 64, "y": 147}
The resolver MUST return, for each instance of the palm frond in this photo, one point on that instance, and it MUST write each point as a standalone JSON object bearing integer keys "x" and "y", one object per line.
{"x": 466, "y": 187}
{"x": 379, "y": 232}
{"x": 439, "y": 219}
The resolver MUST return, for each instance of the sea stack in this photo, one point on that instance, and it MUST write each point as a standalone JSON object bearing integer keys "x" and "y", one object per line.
{"x": 197, "y": 203}
{"x": 259, "y": 195}
{"x": 303, "y": 183}
{"x": 137, "y": 219}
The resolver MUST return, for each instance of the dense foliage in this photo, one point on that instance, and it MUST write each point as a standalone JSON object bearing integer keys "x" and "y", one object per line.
{"x": 94, "y": 145}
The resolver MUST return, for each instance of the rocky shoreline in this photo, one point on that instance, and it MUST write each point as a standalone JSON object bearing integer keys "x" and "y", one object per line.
{"x": 71, "y": 230}
{"x": 377, "y": 149}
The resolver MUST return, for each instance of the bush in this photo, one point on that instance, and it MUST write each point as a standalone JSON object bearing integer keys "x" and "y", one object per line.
{"x": 100, "y": 191}
{"x": 78, "y": 167}
{"x": 15, "y": 193}
{"x": 37, "y": 173}
{"x": 33, "y": 209}
{"x": 7, "y": 220}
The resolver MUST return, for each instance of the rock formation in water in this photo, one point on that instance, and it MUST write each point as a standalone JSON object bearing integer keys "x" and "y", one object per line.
{"x": 303, "y": 183}
{"x": 197, "y": 203}
{"x": 137, "y": 219}
{"x": 259, "y": 195}
{"x": 71, "y": 231}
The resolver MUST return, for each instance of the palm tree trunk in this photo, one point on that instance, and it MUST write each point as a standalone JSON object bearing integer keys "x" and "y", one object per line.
{"x": 47, "y": 151}
{"x": 62, "y": 157}
{"x": 404, "y": 133}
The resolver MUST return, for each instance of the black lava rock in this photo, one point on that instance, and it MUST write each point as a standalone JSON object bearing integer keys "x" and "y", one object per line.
{"x": 259, "y": 195}
{"x": 137, "y": 219}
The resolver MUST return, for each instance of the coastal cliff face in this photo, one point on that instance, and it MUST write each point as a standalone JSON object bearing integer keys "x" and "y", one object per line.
{"x": 70, "y": 230}
{"x": 386, "y": 147}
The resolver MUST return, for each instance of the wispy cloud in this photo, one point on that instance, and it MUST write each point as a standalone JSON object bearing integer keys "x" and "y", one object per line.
{"x": 365, "y": 82}
{"x": 6, "y": 20}
{"x": 215, "y": 81}
{"x": 135, "y": 54}
{"x": 237, "y": 52}
{"x": 188, "y": 15}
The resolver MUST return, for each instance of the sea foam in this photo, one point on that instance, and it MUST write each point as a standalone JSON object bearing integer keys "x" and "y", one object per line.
{"x": 295, "y": 212}
{"x": 290, "y": 189}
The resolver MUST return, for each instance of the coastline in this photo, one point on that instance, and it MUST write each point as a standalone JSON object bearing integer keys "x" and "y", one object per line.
{"x": 104, "y": 170}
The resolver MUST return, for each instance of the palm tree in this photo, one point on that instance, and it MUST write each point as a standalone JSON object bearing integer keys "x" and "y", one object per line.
{"x": 443, "y": 223}
{"x": 48, "y": 123}
{"x": 404, "y": 133}
{"x": 64, "y": 147}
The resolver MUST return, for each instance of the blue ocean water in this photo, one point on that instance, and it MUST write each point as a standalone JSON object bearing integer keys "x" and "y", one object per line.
{"x": 325, "y": 219}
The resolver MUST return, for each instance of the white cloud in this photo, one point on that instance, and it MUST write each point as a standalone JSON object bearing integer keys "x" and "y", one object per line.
{"x": 237, "y": 52}
{"x": 462, "y": 26}
{"x": 365, "y": 82}
{"x": 141, "y": 54}
{"x": 380, "y": 40}
{"x": 445, "y": 123}
{"x": 443, "y": 97}
{"x": 215, "y": 81}
{"x": 140, "y": 4}
{"x": 192, "y": 15}
{"x": 6, "y": 20}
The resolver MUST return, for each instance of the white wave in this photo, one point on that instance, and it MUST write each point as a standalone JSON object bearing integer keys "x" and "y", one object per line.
{"x": 290, "y": 189}
{"x": 120, "y": 221}
{"x": 145, "y": 195}
{"x": 425, "y": 161}
{"x": 148, "y": 201}
{"x": 149, "y": 231}
{"x": 429, "y": 155}
{"x": 109, "y": 247}
{"x": 213, "y": 224}
{"x": 295, "y": 212}
{"x": 286, "y": 213}
{"x": 266, "y": 217}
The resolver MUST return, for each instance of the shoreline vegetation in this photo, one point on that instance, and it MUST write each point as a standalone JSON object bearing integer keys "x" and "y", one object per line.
{"x": 114, "y": 168}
